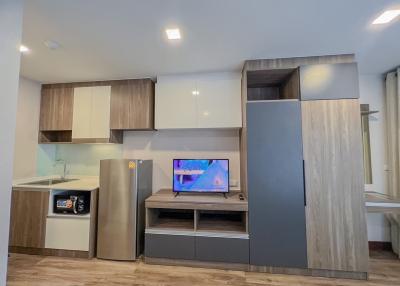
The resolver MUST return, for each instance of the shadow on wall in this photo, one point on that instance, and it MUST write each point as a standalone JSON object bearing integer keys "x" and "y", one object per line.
{"x": 165, "y": 145}
{"x": 160, "y": 146}
{"x": 183, "y": 140}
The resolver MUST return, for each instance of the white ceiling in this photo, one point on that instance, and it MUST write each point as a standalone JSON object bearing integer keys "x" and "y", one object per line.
{"x": 114, "y": 39}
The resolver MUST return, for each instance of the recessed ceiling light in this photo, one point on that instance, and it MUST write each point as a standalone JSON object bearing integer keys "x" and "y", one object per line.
{"x": 23, "y": 49}
{"x": 386, "y": 17}
{"x": 173, "y": 34}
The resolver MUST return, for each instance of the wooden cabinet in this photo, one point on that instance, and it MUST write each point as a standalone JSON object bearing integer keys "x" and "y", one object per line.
{"x": 28, "y": 218}
{"x": 198, "y": 101}
{"x": 335, "y": 212}
{"x": 132, "y": 105}
{"x": 95, "y": 112}
{"x": 331, "y": 150}
{"x": 56, "y": 109}
{"x": 91, "y": 116}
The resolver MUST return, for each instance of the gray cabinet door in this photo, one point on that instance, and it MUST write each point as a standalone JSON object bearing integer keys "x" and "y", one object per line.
{"x": 222, "y": 249}
{"x": 329, "y": 81}
{"x": 277, "y": 227}
{"x": 170, "y": 246}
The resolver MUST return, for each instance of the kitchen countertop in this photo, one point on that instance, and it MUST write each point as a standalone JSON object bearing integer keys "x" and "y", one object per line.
{"x": 82, "y": 183}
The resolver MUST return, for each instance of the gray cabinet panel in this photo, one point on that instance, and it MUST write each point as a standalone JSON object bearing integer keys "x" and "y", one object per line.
{"x": 333, "y": 81}
{"x": 229, "y": 250}
{"x": 277, "y": 227}
{"x": 170, "y": 246}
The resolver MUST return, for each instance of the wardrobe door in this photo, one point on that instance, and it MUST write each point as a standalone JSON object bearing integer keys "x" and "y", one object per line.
{"x": 275, "y": 184}
{"x": 335, "y": 212}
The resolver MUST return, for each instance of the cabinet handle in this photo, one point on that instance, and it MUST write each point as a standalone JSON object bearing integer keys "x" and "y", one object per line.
{"x": 304, "y": 185}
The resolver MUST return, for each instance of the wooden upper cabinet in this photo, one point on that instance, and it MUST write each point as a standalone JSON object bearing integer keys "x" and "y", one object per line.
{"x": 329, "y": 81}
{"x": 56, "y": 109}
{"x": 132, "y": 105}
{"x": 28, "y": 218}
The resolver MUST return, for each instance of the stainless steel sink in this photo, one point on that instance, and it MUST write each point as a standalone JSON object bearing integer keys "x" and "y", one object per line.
{"x": 49, "y": 182}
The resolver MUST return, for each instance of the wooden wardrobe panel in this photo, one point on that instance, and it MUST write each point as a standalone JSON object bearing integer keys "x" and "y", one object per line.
{"x": 28, "y": 218}
{"x": 56, "y": 109}
{"x": 132, "y": 105}
{"x": 335, "y": 212}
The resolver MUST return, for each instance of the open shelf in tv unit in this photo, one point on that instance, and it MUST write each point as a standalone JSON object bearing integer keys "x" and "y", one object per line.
{"x": 197, "y": 214}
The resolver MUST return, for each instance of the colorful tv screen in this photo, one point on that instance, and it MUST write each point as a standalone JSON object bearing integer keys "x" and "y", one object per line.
{"x": 200, "y": 175}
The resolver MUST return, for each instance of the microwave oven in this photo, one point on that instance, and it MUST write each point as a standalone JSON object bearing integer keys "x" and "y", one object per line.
{"x": 72, "y": 203}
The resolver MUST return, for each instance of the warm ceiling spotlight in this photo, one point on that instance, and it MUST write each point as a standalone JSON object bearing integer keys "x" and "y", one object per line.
{"x": 386, "y": 17}
{"x": 23, "y": 49}
{"x": 173, "y": 34}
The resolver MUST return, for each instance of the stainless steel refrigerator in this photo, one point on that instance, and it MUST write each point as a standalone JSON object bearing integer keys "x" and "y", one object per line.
{"x": 124, "y": 186}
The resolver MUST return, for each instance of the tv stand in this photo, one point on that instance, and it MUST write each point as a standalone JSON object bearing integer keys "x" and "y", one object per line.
{"x": 197, "y": 228}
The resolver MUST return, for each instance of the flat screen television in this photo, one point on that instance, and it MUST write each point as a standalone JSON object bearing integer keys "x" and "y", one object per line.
{"x": 201, "y": 175}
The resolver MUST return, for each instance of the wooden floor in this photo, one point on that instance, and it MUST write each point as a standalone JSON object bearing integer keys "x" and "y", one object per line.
{"x": 35, "y": 270}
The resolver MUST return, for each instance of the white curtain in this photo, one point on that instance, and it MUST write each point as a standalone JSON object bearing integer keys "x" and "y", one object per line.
{"x": 393, "y": 138}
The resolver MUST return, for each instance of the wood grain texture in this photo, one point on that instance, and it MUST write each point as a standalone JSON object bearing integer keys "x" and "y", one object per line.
{"x": 291, "y": 87}
{"x": 335, "y": 211}
{"x": 267, "y": 64}
{"x": 56, "y": 109}
{"x": 49, "y": 271}
{"x": 165, "y": 199}
{"x": 49, "y": 252}
{"x": 288, "y": 63}
{"x": 132, "y": 105}
{"x": 28, "y": 218}
{"x": 55, "y": 137}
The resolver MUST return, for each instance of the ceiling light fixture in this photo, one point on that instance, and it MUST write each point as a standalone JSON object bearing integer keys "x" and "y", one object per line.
{"x": 173, "y": 34}
{"x": 23, "y": 49}
{"x": 386, "y": 17}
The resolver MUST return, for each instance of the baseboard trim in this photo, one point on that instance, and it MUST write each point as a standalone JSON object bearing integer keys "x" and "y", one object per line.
{"x": 311, "y": 272}
{"x": 196, "y": 263}
{"x": 263, "y": 269}
{"x": 49, "y": 252}
{"x": 380, "y": 245}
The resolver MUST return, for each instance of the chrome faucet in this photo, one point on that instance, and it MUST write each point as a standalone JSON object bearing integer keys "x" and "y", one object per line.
{"x": 60, "y": 161}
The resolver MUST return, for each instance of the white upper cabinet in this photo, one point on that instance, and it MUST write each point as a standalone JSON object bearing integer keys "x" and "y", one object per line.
{"x": 175, "y": 105}
{"x": 211, "y": 100}
{"x": 219, "y": 101}
{"x": 91, "y": 112}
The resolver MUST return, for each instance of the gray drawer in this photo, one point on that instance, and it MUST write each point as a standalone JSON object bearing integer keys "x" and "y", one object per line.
{"x": 169, "y": 246}
{"x": 217, "y": 249}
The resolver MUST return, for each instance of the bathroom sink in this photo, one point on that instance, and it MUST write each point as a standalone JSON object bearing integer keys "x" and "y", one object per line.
{"x": 49, "y": 182}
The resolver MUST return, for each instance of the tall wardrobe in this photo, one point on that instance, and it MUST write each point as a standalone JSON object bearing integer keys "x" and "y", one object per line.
{"x": 302, "y": 166}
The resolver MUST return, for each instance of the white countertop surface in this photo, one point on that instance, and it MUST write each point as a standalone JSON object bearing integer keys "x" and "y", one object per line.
{"x": 82, "y": 183}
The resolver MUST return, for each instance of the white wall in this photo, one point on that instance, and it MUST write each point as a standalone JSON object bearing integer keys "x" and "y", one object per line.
{"x": 26, "y": 134}
{"x": 372, "y": 92}
{"x": 160, "y": 146}
{"x": 164, "y": 145}
{"x": 10, "y": 39}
